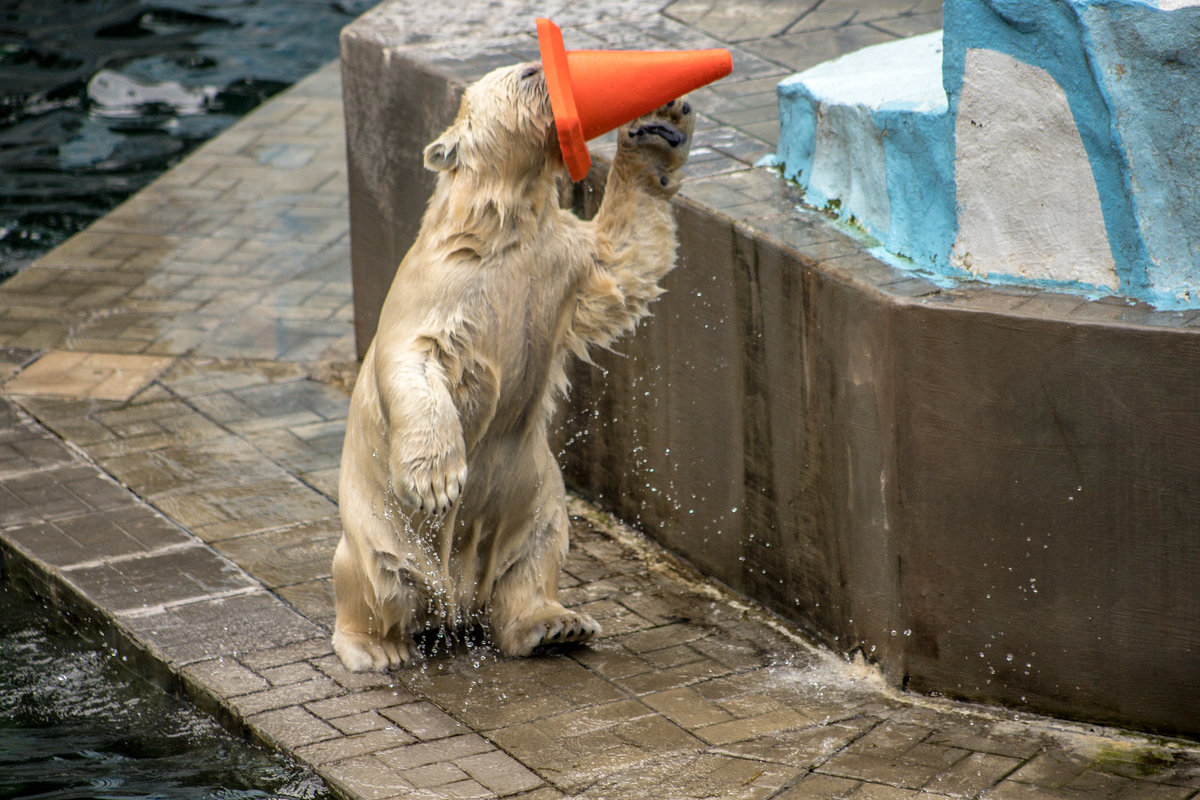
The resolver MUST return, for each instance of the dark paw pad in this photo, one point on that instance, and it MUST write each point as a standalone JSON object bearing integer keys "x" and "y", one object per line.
{"x": 667, "y": 133}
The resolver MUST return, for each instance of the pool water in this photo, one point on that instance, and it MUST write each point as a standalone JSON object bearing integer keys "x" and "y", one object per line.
{"x": 98, "y": 97}
{"x": 76, "y": 722}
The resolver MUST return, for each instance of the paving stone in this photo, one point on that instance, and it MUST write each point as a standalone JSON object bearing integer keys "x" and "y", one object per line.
{"x": 378, "y": 742}
{"x": 687, "y": 708}
{"x": 269, "y": 654}
{"x": 804, "y": 747}
{"x": 279, "y": 697}
{"x": 99, "y": 535}
{"x": 291, "y": 673}
{"x": 60, "y": 492}
{"x": 102, "y": 376}
{"x": 821, "y": 787}
{"x": 225, "y": 677}
{"x": 286, "y": 557}
{"x": 544, "y": 793}
{"x": 345, "y": 704}
{"x": 1051, "y": 768}
{"x": 184, "y": 634}
{"x": 314, "y": 599}
{"x": 468, "y": 790}
{"x": 360, "y": 723}
{"x": 148, "y": 580}
{"x": 675, "y": 677}
{"x": 499, "y": 772}
{"x": 243, "y": 506}
{"x": 26, "y": 448}
{"x": 431, "y": 775}
{"x": 419, "y": 754}
{"x": 740, "y": 729}
{"x": 366, "y": 777}
{"x": 973, "y": 774}
{"x": 424, "y": 721}
{"x": 291, "y": 727}
{"x": 695, "y": 775}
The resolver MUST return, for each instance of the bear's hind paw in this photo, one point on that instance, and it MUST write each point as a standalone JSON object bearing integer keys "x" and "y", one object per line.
{"x": 557, "y": 627}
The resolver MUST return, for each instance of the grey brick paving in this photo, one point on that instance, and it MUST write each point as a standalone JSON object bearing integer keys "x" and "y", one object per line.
{"x": 195, "y": 509}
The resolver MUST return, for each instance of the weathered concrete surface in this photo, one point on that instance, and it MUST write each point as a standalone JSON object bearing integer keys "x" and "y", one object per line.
{"x": 783, "y": 420}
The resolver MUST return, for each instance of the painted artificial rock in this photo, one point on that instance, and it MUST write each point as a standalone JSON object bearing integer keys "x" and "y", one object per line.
{"x": 1049, "y": 142}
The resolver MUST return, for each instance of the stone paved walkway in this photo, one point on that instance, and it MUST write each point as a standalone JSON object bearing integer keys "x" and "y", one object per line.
{"x": 171, "y": 417}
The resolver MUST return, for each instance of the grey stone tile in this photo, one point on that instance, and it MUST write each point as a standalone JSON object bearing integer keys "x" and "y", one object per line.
{"x": 275, "y": 655}
{"x": 409, "y": 756}
{"x": 804, "y": 48}
{"x": 228, "y": 627}
{"x": 146, "y": 581}
{"x": 378, "y": 742}
{"x": 424, "y": 721}
{"x": 291, "y": 727}
{"x": 276, "y": 697}
{"x": 499, "y": 772}
{"x": 56, "y": 493}
{"x": 224, "y": 677}
{"x": 366, "y": 777}
{"x": 351, "y": 703}
{"x": 286, "y": 557}
{"x": 97, "y": 535}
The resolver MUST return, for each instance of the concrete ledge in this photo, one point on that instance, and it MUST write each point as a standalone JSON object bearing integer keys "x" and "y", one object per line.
{"x": 990, "y": 492}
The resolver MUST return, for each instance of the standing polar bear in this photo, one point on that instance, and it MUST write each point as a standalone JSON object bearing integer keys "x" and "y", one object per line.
{"x": 453, "y": 508}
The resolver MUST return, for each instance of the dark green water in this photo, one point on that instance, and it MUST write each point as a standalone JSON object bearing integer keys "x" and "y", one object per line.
{"x": 98, "y": 97}
{"x": 76, "y": 723}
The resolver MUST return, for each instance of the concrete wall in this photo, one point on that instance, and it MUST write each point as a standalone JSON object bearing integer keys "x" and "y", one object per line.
{"x": 989, "y": 492}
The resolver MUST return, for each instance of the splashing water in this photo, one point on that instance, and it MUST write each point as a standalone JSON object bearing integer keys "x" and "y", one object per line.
{"x": 75, "y": 722}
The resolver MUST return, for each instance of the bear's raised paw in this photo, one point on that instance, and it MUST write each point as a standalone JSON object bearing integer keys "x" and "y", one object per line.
{"x": 661, "y": 139}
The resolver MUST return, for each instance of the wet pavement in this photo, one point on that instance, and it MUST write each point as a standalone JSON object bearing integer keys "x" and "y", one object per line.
{"x": 174, "y": 399}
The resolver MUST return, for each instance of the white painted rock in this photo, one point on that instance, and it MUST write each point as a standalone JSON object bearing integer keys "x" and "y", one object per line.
{"x": 1051, "y": 142}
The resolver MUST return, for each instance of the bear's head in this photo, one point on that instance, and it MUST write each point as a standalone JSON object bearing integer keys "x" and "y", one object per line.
{"x": 504, "y": 128}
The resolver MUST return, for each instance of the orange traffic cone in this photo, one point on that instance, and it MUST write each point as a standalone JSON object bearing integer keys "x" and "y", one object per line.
{"x": 594, "y": 91}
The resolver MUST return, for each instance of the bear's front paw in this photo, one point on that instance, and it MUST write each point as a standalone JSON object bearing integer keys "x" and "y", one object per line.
{"x": 362, "y": 652}
{"x": 661, "y": 140}
{"x": 430, "y": 483}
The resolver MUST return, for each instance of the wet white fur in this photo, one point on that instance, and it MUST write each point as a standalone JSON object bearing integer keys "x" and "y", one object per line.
{"x": 452, "y": 504}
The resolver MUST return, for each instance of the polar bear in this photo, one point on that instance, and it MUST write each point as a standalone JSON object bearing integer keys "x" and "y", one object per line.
{"x": 452, "y": 504}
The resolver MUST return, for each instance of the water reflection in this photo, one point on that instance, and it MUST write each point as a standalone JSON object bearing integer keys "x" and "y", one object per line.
{"x": 97, "y": 97}
{"x": 75, "y": 723}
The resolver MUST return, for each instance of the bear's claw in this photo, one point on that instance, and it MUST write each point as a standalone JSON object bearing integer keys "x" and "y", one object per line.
{"x": 568, "y": 629}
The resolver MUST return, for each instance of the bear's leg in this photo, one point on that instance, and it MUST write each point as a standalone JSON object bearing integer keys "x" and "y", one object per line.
{"x": 634, "y": 228}
{"x": 525, "y": 612}
{"x": 371, "y": 634}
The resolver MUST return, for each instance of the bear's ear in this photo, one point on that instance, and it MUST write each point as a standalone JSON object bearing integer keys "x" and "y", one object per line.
{"x": 442, "y": 155}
